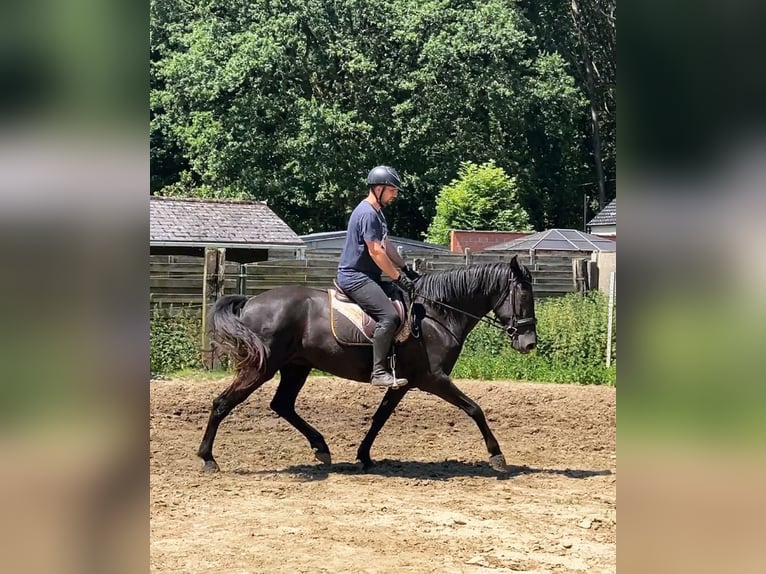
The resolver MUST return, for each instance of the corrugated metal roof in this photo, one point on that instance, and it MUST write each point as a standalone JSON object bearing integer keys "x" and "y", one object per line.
{"x": 207, "y": 221}
{"x": 558, "y": 240}
{"x": 607, "y": 216}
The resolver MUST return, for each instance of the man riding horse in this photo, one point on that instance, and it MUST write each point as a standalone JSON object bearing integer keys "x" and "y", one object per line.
{"x": 366, "y": 254}
{"x": 289, "y": 330}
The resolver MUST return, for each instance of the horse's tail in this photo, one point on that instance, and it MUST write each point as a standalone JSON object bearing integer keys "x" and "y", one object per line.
{"x": 233, "y": 337}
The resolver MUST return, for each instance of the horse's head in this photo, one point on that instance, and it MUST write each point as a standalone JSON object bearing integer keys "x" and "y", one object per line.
{"x": 516, "y": 309}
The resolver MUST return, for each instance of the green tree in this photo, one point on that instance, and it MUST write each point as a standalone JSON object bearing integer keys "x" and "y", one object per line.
{"x": 584, "y": 34}
{"x": 483, "y": 197}
{"x": 293, "y": 102}
{"x": 167, "y": 20}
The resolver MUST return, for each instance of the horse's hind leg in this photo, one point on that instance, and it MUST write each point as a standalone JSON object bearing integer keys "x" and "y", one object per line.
{"x": 243, "y": 386}
{"x": 387, "y": 406}
{"x": 446, "y": 389}
{"x": 292, "y": 379}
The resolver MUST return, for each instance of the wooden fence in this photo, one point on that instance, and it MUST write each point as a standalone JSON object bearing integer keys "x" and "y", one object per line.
{"x": 178, "y": 280}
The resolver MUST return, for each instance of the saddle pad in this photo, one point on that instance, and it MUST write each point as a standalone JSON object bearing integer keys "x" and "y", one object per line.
{"x": 352, "y": 326}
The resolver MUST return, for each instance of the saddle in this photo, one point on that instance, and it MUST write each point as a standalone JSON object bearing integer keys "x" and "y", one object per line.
{"x": 352, "y": 326}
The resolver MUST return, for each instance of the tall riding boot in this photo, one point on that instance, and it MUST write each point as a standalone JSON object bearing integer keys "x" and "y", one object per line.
{"x": 381, "y": 343}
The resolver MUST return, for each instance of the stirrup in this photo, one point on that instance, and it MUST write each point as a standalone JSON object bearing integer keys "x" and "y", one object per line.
{"x": 387, "y": 381}
{"x": 397, "y": 384}
{"x": 400, "y": 382}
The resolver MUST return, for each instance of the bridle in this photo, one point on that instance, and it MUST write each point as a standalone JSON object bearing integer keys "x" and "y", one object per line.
{"x": 511, "y": 328}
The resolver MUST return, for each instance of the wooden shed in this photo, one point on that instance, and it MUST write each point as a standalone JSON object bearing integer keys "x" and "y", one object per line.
{"x": 248, "y": 230}
{"x": 198, "y": 247}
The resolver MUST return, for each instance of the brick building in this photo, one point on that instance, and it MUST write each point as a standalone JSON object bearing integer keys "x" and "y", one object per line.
{"x": 479, "y": 240}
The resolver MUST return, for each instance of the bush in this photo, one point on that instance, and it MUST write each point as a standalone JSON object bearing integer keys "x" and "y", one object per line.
{"x": 482, "y": 197}
{"x": 174, "y": 339}
{"x": 571, "y": 346}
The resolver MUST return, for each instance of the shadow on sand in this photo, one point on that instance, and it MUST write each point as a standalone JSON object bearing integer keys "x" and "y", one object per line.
{"x": 423, "y": 470}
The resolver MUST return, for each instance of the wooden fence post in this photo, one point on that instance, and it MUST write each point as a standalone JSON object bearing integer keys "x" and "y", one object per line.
{"x": 212, "y": 289}
{"x": 591, "y": 275}
{"x": 609, "y": 321}
{"x": 242, "y": 280}
{"x": 468, "y": 258}
{"x": 579, "y": 275}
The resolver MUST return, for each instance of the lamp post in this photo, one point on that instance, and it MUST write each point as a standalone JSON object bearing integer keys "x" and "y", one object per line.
{"x": 585, "y": 213}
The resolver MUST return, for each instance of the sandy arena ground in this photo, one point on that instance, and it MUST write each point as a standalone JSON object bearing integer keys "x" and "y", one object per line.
{"x": 432, "y": 503}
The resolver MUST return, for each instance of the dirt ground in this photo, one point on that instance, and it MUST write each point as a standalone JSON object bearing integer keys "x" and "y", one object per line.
{"x": 431, "y": 504}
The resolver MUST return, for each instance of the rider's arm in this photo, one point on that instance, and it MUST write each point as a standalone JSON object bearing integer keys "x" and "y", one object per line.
{"x": 394, "y": 256}
{"x": 381, "y": 259}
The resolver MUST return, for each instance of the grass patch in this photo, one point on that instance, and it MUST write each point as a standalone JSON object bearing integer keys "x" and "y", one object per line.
{"x": 572, "y": 333}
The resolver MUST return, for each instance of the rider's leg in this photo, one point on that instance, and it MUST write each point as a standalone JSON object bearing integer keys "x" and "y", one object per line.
{"x": 381, "y": 343}
{"x": 375, "y": 303}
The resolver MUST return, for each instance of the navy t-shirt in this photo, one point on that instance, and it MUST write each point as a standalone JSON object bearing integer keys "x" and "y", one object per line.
{"x": 356, "y": 265}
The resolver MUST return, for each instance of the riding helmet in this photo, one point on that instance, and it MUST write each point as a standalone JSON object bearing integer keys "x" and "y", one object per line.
{"x": 384, "y": 175}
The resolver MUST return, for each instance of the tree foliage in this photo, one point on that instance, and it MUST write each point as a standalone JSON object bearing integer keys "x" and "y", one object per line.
{"x": 483, "y": 197}
{"x": 584, "y": 33}
{"x": 293, "y": 101}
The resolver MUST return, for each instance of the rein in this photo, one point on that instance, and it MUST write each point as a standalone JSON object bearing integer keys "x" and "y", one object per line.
{"x": 493, "y": 321}
{"x": 511, "y": 329}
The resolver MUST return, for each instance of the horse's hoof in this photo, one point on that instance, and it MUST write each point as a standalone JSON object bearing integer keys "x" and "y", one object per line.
{"x": 211, "y": 466}
{"x": 323, "y": 457}
{"x": 498, "y": 463}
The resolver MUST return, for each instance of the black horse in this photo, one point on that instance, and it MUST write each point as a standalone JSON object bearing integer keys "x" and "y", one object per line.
{"x": 287, "y": 329}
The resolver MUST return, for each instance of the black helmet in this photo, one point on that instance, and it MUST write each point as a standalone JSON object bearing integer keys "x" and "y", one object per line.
{"x": 384, "y": 175}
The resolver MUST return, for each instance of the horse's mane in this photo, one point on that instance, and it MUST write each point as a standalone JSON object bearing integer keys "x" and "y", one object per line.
{"x": 471, "y": 281}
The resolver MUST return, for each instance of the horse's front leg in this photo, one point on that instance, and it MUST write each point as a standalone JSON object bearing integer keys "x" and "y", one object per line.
{"x": 444, "y": 387}
{"x": 386, "y": 407}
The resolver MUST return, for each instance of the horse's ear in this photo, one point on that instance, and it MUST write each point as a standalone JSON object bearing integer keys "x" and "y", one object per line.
{"x": 515, "y": 265}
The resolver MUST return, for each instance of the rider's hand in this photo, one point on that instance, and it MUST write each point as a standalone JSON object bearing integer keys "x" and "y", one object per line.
{"x": 410, "y": 273}
{"x": 405, "y": 283}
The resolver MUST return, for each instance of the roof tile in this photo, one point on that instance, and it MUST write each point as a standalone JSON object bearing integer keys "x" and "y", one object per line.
{"x": 207, "y": 221}
{"x": 607, "y": 216}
